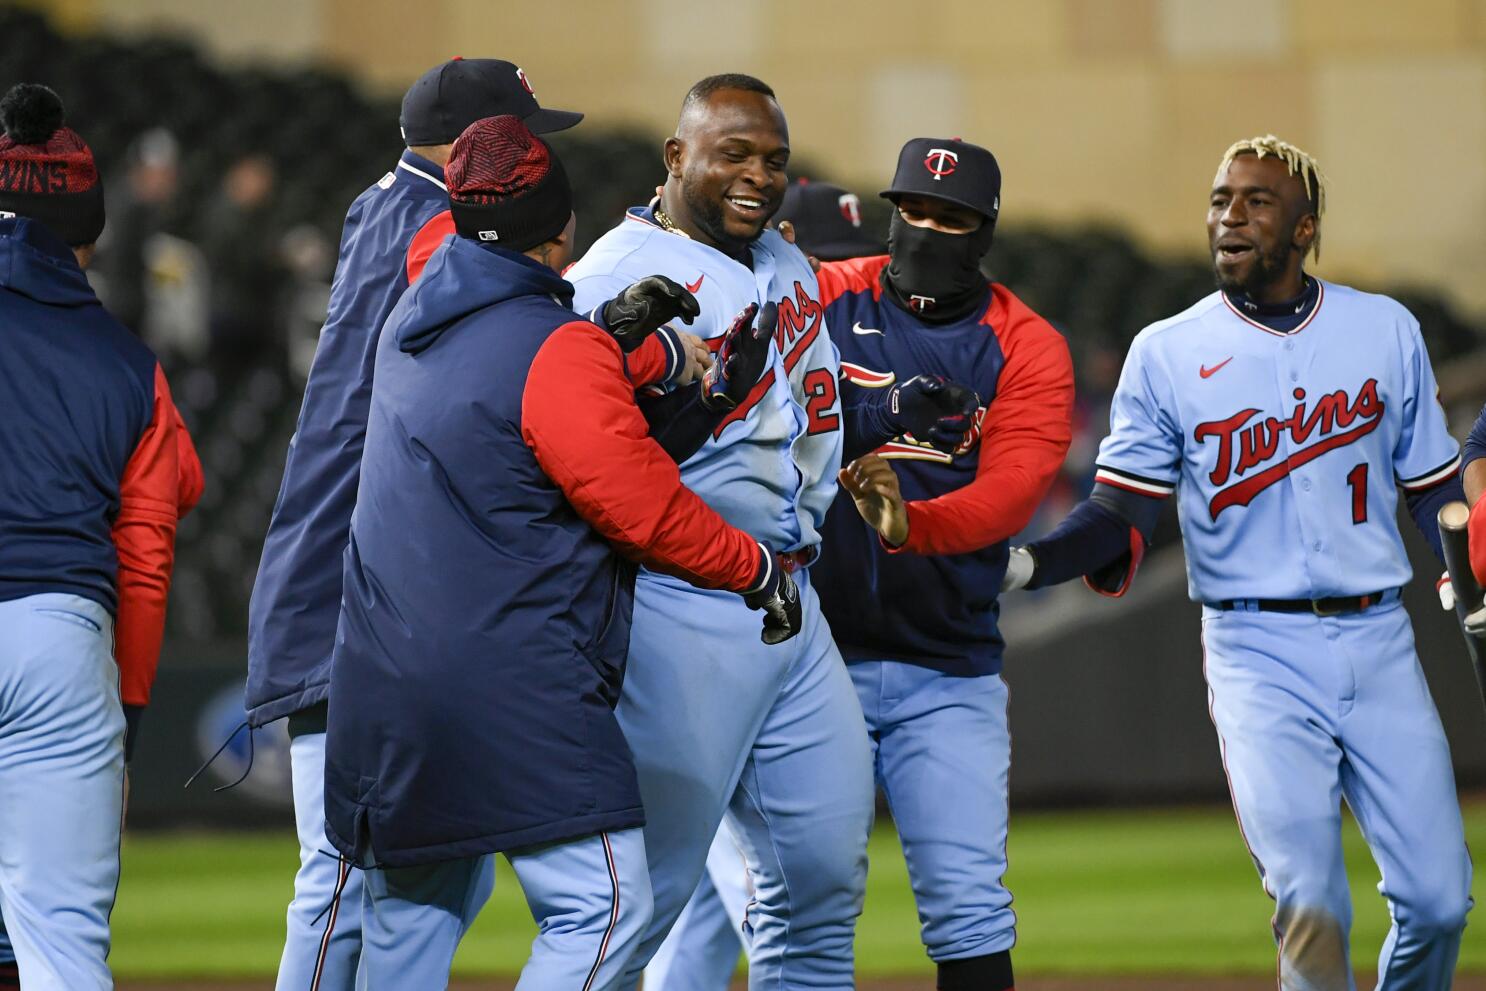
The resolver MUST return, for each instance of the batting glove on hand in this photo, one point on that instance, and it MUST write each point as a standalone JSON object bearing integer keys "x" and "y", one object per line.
{"x": 933, "y": 409}
{"x": 1020, "y": 567}
{"x": 644, "y": 307}
{"x": 742, "y": 358}
{"x": 1475, "y": 623}
{"x": 779, "y": 598}
{"x": 1446, "y": 589}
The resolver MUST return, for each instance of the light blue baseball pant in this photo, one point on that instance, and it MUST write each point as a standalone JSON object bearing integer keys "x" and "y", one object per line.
{"x": 941, "y": 747}
{"x": 590, "y": 898}
{"x": 1310, "y": 711}
{"x": 61, "y": 788}
{"x": 701, "y": 952}
{"x": 773, "y": 736}
{"x": 318, "y": 937}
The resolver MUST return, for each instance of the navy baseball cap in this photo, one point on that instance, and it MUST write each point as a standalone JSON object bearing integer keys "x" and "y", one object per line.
{"x": 828, "y": 221}
{"x": 948, "y": 169}
{"x": 450, "y": 97}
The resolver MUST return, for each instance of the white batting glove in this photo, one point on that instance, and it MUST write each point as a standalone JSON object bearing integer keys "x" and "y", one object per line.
{"x": 1019, "y": 569}
{"x": 1446, "y": 589}
{"x": 1475, "y": 623}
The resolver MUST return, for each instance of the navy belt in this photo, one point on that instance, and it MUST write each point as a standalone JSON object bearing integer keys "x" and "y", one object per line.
{"x": 1335, "y": 605}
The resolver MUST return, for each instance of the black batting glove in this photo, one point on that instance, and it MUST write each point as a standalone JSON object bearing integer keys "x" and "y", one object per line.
{"x": 644, "y": 307}
{"x": 778, "y": 596}
{"x": 933, "y": 409}
{"x": 742, "y": 358}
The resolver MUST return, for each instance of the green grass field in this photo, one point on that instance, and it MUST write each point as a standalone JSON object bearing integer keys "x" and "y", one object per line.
{"x": 1152, "y": 892}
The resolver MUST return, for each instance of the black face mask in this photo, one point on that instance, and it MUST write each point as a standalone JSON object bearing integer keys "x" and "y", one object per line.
{"x": 935, "y": 275}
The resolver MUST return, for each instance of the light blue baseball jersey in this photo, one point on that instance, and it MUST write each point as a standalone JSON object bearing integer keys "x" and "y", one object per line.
{"x": 770, "y": 466}
{"x": 1284, "y": 448}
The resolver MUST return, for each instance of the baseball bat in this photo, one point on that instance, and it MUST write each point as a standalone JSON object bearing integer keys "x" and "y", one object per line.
{"x": 1454, "y": 539}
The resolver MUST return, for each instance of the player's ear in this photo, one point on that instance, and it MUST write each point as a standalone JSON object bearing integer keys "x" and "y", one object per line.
{"x": 674, "y": 153}
{"x": 1304, "y": 236}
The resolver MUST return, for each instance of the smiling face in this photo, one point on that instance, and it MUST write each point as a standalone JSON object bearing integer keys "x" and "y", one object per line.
{"x": 729, "y": 156}
{"x": 1260, "y": 224}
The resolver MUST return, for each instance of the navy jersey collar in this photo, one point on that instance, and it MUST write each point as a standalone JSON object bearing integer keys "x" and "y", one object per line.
{"x": 416, "y": 166}
{"x": 1284, "y": 316}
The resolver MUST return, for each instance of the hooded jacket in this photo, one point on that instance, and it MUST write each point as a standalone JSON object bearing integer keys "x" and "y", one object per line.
{"x": 97, "y": 466}
{"x": 486, "y": 611}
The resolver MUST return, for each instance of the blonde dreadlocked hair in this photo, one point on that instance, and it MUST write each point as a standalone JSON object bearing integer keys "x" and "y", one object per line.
{"x": 1297, "y": 161}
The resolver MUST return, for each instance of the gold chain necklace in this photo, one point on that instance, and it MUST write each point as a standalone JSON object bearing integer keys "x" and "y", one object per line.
{"x": 667, "y": 224}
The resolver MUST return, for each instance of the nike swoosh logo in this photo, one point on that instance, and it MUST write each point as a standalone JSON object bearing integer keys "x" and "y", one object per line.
{"x": 857, "y": 328}
{"x": 1206, "y": 372}
{"x": 694, "y": 286}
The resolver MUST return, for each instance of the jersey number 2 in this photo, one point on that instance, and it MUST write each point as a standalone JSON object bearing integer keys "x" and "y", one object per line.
{"x": 820, "y": 396}
{"x": 1357, "y": 478}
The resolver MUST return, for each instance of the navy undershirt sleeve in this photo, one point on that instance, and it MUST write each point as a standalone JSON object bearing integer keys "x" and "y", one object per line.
{"x": 1094, "y": 535}
{"x": 866, "y": 426}
{"x": 679, "y": 422}
{"x": 1475, "y": 444}
{"x": 1425, "y": 508}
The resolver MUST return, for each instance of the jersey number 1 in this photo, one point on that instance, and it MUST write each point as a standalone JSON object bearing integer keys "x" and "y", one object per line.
{"x": 1357, "y": 478}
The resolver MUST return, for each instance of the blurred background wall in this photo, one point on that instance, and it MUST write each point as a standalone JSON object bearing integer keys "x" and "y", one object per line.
{"x": 1099, "y": 110}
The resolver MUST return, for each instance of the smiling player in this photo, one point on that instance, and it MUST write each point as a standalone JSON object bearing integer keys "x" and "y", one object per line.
{"x": 1285, "y": 412}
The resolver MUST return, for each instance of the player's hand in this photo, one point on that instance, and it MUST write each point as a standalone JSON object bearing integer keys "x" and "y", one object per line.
{"x": 873, "y": 486}
{"x": 779, "y": 598}
{"x": 741, "y": 359}
{"x": 1475, "y": 623}
{"x": 1020, "y": 567}
{"x": 644, "y": 307}
{"x": 1446, "y": 589}
{"x": 933, "y": 409}
{"x": 698, "y": 358}
{"x": 787, "y": 231}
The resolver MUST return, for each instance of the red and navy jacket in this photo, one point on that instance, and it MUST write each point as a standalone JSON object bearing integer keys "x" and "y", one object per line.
{"x": 98, "y": 467}
{"x": 390, "y": 232}
{"x": 933, "y": 601}
{"x": 508, "y": 486}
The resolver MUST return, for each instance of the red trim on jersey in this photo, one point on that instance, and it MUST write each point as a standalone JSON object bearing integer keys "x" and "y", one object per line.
{"x": 578, "y": 416}
{"x": 1320, "y": 298}
{"x": 852, "y": 275}
{"x": 1024, "y": 437}
{"x": 160, "y": 485}
{"x": 1138, "y": 486}
{"x": 866, "y": 377}
{"x": 1430, "y": 479}
{"x": 426, "y": 242}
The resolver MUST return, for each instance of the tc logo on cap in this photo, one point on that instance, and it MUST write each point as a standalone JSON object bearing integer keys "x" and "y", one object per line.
{"x": 851, "y": 208}
{"x": 521, "y": 78}
{"x": 941, "y": 162}
{"x": 489, "y": 236}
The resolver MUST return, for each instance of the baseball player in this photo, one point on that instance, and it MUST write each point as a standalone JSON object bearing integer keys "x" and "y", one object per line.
{"x": 717, "y": 722}
{"x": 912, "y": 595}
{"x": 701, "y": 951}
{"x": 390, "y": 232}
{"x": 1285, "y": 411}
{"x": 486, "y": 613}
{"x": 98, "y": 471}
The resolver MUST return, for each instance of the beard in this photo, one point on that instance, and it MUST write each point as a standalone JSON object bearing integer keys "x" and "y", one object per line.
{"x": 706, "y": 213}
{"x": 1268, "y": 267}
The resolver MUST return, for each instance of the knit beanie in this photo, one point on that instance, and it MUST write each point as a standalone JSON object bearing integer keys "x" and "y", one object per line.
{"x": 506, "y": 187}
{"x": 47, "y": 171}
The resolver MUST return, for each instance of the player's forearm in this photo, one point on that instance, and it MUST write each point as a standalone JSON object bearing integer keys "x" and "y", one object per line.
{"x": 866, "y": 425}
{"x": 580, "y": 420}
{"x": 146, "y": 544}
{"x": 993, "y": 508}
{"x": 1097, "y": 535}
{"x": 1424, "y": 507}
{"x": 679, "y": 422}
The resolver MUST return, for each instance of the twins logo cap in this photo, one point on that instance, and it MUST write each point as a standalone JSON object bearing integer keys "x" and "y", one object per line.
{"x": 828, "y": 221}
{"x": 448, "y": 98}
{"x": 948, "y": 169}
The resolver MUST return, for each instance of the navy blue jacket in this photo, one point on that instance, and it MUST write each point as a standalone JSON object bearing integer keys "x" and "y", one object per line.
{"x": 390, "y": 231}
{"x": 95, "y": 465}
{"x": 485, "y": 626}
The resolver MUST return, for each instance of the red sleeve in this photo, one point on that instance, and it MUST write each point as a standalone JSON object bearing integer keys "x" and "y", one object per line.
{"x": 1024, "y": 437}
{"x": 151, "y": 496}
{"x": 650, "y": 362}
{"x": 426, "y": 242}
{"x": 191, "y": 480}
{"x": 1476, "y": 539}
{"x": 836, "y": 279}
{"x": 578, "y": 416}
